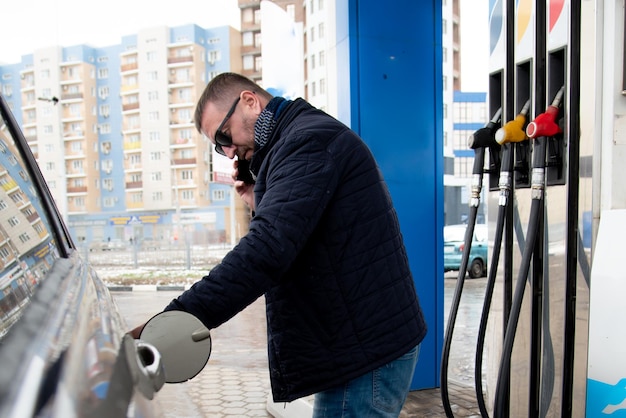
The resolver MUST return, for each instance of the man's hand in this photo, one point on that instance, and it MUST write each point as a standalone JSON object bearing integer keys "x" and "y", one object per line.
{"x": 136, "y": 332}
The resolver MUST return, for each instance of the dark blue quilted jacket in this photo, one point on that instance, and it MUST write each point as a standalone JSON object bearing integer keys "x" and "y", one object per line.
{"x": 325, "y": 249}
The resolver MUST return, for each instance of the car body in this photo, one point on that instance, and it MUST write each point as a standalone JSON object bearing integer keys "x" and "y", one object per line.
{"x": 64, "y": 347}
{"x": 454, "y": 244}
{"x": 109, "y": 245}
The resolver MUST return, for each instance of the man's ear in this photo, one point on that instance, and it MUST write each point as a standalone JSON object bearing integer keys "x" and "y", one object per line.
{"x": 253, "y": 101}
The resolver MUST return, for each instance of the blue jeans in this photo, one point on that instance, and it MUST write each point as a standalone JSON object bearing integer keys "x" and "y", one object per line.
{"x": 379, "y": 393}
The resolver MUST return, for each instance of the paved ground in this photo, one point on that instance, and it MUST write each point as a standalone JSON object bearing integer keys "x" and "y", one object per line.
{"x": 235, "y": 382}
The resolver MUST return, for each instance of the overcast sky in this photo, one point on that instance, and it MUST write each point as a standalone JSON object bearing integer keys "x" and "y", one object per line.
{"x": 31, "y": 24}
{"x": 474, "y": 45}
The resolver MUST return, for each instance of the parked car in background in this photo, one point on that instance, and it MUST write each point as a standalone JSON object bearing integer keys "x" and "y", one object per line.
{"x": 64, "y": 349}
{"x": 150, "y": 244}
{"x": 108, "y": 245}
{"x": 454, "y": 245}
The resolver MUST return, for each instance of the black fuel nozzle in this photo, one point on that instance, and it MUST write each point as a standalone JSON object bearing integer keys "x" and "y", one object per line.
{"x": 484, "y": 137}
{"x": 480, "y": 140}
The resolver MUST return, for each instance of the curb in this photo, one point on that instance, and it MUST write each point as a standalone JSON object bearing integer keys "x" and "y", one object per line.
{"x": 148, "y": 288}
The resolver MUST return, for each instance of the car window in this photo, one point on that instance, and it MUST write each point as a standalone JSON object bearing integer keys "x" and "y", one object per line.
{"x": 27, "y": 244}
{"x": 454, "y": 233}
{"x": 480, "y": 233}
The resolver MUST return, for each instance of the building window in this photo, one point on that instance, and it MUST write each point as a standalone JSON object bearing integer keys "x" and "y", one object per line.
{"x": 24, "y": 238}
{"x": 247, "y": 38}
{"x": 246, "y": 15}
{"x": 4, "y": 253}
{"x": 103, "y": 92}
{"x": 218, "y": 195}
{"x": 248, "y": 62}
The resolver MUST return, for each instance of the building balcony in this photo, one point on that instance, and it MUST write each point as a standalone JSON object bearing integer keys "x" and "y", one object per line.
{"x": 130, "y": 106}
{"x": 129, "y": 67}
{"x": 77, "y": 189}
{"x": 32, "y": 217}
{"x": 184, "y": 161}
{"x": 177, "y": 60}
{"x": 72, "y": 96}
{"x": 129, "y": 87}
{"x": 182, "y": 141}
{"x": 134, "y": 184}
{"x": 132, "y": 145}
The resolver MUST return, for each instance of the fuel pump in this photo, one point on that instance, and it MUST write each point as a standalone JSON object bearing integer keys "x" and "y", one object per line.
{"x": 543, "y": 127}
{"x": 510, "y": 133}
{"x": 478, "y": 141}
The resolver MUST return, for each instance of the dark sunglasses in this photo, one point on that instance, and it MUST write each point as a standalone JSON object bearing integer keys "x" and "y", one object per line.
{"x": 222, "y": 139}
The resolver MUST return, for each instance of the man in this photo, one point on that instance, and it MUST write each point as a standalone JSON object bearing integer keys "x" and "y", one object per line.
{"x": 324, "y": 247}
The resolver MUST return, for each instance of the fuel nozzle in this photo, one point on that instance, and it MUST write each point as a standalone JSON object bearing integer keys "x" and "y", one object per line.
{"x": 484, "y": 137}
{"x": 513, "y": 131}
{"x": 479, "y": 141}
{"x": 545, "y": 123}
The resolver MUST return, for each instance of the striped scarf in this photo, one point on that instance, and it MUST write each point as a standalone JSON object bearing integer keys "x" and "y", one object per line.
{"x": 266, "y": 122}
{"x": 263, "y": 129}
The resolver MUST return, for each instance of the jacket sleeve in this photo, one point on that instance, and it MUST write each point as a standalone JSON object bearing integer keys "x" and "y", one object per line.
{"x": 298, "y": 182}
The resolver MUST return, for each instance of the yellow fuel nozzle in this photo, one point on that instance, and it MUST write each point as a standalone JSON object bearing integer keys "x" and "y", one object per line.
{"x": 513, "y": 131}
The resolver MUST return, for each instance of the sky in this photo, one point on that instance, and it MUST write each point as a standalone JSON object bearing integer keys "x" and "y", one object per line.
{"x": 32, "y": 24}
{"x": 474, "y": 45}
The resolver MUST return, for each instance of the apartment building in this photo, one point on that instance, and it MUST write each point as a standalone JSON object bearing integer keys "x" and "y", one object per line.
{"x": 251, "y": 39}
{"x": 463, "y": 112}
{"x": 112, "y": 129}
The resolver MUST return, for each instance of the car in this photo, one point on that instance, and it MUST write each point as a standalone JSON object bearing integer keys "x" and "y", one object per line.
{"x": 150, "y": 244}
{"x": 64, "y": 348}
{"x": 109, "y": 245}
{"x": 454, "y": 244}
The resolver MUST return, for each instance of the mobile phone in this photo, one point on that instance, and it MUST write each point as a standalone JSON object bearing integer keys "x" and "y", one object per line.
{"x": 244, "y": 172}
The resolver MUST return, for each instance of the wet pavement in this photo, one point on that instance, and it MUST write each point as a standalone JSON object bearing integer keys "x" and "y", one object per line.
{"x": 235, "y": 382}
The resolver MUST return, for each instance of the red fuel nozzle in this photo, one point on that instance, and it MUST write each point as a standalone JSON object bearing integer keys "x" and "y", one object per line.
{"x": 513, "y": 131}
{"x": 545, "y": 123}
